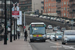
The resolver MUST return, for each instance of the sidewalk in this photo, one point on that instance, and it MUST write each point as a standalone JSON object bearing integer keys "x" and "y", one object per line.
{"x": 19, "y": 44}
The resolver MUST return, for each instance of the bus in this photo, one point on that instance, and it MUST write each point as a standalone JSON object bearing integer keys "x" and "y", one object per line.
{"x": 37, "y": 31}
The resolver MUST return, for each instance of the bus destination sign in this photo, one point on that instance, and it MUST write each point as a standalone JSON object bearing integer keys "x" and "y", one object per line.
{"x": 37, "y": 25}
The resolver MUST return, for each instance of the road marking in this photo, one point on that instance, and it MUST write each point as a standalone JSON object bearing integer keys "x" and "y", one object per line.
{"x": 61, "y": 46}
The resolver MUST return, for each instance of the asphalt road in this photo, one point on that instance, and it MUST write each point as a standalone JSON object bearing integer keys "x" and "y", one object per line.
{"x": 48, "y": 45}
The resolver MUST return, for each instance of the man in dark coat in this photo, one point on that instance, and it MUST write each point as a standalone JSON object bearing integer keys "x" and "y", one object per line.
{"x": 25, "y": 35}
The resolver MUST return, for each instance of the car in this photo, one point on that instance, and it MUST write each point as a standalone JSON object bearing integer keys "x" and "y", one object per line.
{"x": 55, "y": 29}
{"x": 48, "y": 35}
{"x": 58, "y": 20}
{"x": 58, "y": 35}
{"x": 49, "y": 27}
{"x": 58, "y": 27}
{"x": 44, "y": 17}
{"x": 52, "y": 36}
{"x": 40, "y": 16}
{"x": 68, "y": 36}
{"x": 63, "y": 28}
{"x": 51, "y": 18}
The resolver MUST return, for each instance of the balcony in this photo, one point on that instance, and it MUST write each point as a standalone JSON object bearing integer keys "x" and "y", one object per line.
{"x": 42, "y": 2}
{"x": 58, "y": 0}
{"x": 58, "y": 11}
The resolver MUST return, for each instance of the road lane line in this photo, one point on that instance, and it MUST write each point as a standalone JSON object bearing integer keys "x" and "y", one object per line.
{"x": 64, "y": 46}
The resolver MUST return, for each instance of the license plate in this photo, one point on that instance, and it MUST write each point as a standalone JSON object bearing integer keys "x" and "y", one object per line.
{"x": 37, "y": 35}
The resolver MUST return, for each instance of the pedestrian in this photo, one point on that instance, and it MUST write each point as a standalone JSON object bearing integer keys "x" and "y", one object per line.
{"x": 18, "y": 32}
{"x": 25, "y": 35}
{"x": 18, "y": 35}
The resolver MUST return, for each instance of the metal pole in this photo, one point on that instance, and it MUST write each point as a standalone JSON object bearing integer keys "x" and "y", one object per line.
{"x": 5, "y": 34}
{"x": 10, "y": 22}
{"x": 14, "y": 28}
{"x": 24, "y": 21}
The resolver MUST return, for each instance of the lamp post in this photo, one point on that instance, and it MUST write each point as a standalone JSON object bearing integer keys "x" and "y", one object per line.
{"x": 5, "y": 34}
{"x": 10, "y": 21}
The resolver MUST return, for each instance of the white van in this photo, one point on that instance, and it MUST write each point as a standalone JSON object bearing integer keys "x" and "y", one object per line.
{"x": 68, "y": 36}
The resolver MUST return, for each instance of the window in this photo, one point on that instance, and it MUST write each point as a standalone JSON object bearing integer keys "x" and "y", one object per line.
{"x": 49, "y": 4}
{"x": 45, "y": 10}
{"x": 67, "y": 14}
{"x": 49, "y": 9}
{"x": 64, "y": 14}
{"x": 64, "y": 8}
{"x": 67, "y": 3}
{"x": 45, "y": 0}
{"x": 64, "y": 3}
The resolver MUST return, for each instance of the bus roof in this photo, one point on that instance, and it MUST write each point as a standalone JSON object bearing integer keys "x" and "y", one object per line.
{"x": 37, "y": 23}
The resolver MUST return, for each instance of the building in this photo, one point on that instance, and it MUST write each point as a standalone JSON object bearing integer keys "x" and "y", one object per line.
{"x": 50, "y": 7}
{"x": 25, "y": 5}
{"x": 71, "y": 8}
{"x": 36, "y": 5}
{"x": 42, "y": 6}
{"x": 64, "y": 8}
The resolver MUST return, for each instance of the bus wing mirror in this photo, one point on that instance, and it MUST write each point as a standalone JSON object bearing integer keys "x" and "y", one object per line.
{"x": 28, "y": 28}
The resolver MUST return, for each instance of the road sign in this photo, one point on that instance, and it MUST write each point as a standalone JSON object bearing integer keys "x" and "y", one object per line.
{"x": 15, "y": 14}
{"x": 24, "y": 27}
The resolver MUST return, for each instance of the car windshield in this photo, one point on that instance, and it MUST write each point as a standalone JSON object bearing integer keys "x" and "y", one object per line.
{"x": 70, "y": 33}
{"x": 60, "y": 33}
{"x": 37, "y": 30}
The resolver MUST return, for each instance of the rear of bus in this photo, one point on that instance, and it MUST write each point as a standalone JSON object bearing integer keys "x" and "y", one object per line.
{"x": 37, "y": 32}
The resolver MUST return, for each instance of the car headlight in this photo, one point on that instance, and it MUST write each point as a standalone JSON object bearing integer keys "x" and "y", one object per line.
{"x": 56, "y": 36}
{"x": 31, "y": 36}
{"x": 44, "y": 36}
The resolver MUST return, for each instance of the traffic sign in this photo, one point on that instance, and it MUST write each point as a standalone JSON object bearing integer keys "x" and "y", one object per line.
{"x": 24, "y": 27}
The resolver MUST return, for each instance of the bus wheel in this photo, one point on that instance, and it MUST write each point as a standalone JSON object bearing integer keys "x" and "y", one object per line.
{"x": 43, "y": 40}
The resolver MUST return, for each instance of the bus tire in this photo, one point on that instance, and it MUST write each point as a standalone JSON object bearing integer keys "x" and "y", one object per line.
{"x": 44, "y": 40}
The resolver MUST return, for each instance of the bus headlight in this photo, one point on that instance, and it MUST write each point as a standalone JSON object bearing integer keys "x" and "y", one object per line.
{"x": 44, "y": 36}
{"x": 31, "y": 36}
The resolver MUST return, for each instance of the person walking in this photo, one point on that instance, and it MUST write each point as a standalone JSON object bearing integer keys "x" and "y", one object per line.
{"x": 25, "y": 35}
{"x": 18, "y": 32}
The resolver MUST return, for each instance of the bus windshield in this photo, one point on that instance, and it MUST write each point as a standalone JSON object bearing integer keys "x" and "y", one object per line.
{"x": 37, "y": 30}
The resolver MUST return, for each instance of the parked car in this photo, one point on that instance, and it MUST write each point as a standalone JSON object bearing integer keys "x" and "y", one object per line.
{"x": 58, "y": 27}
{"x": 55, "y": 29}
{"x": 52, "y": 36}
{"x": 58, "y": 20}
{"x": 48, "y": 35}
{"x": 68, "y": 36}
{"x": 63, "y": 29}
{"x": 58, "y": 35}
{"x": 51, "y": 18}
{"x": 49, "y": 27}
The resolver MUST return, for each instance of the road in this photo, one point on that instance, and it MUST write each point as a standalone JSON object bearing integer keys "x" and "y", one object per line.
{"x": 48, "y": 45}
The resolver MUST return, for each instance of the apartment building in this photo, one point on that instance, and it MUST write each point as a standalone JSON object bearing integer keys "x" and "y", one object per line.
{"x": 42, "y": 6}
{"x": 25, "y": 5}
{"x": 71, "y": 8}
{"x": 50, "y": 7}
{"x": 64, "y": 8}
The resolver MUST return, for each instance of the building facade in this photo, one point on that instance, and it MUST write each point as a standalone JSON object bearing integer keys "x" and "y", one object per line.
{"x": 50, "y": 7}
{"x": 25, "y": 5}
{"x": 36, "y": 5}
{"x": 71, "y": 8}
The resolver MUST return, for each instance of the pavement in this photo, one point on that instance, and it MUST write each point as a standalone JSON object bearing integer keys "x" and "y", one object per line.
{"x": 18, "y": 44}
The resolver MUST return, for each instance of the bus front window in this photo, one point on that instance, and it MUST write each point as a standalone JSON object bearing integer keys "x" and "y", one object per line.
{"x": 37, "y": 30}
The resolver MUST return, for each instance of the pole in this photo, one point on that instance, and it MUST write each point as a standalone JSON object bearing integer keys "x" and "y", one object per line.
{"x": 10, "y": 22}
{"x": 24, "y": 21}
{"x": 5, "y": 34}
{"x": 14, "y": 28}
